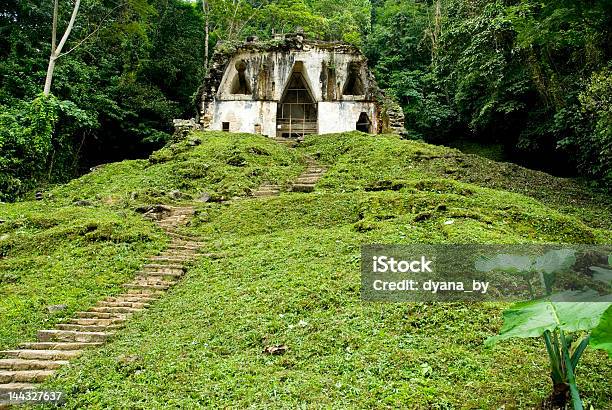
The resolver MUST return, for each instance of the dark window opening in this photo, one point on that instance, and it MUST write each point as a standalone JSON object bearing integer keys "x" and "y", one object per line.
{"x": 225, "y": 126}
{"x": 296, "y": 114}
{"x": 240, "y": 85}
{"x": 354, "y": 84}
{"x": 363, "y": 123}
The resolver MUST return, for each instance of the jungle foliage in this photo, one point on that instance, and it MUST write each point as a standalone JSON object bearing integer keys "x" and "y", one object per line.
{"x": 533, "y": 76}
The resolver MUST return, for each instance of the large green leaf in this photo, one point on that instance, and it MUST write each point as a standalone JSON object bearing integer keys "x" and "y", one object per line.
{"x": 533, "y": 318}
{"x": 601, "y": 337}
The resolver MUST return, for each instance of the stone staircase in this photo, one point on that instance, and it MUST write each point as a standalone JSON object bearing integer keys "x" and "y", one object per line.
{"x": 289, "y": 142}
{"x": 305, "y": 182}
{"x": 23, "y": 368}
{"x": 266, "y": 190}
{"x": 308, "y": 179}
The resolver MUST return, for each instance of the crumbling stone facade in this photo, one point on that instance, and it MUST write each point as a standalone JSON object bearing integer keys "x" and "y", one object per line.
{"x": 291, "y": 86}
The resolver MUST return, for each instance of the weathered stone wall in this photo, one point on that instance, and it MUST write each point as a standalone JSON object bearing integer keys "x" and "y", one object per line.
{"x": 343, "y": 115}
{"x": 245, "y": 116}
{"x": 261, "y": 72}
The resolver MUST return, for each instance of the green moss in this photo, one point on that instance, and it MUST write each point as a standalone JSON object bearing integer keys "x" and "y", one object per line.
{"x": 288, "y": 273}
{"x": 218, "y": 165}
{"x": 64, "y": 255}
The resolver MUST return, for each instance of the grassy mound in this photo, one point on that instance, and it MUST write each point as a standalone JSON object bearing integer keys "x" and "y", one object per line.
{"x": 361, "y": 160}
{"x": 64, "y": 255}
{"x": 85, "y": 239}
{"x": 289, "y": 274}
{"x": 205, "y": 164}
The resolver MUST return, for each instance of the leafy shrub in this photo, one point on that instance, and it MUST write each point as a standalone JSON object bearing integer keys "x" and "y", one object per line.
{"x": 32, "y": 145}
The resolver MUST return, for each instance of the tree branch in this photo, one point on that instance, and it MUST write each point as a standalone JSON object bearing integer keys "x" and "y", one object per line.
{"x": 68, "y": 29}
{"x": 54, "y": 29}
{"x": 98, "y": 27}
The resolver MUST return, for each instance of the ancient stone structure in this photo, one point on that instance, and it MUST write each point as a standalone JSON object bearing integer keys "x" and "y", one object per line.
{"x": 291, "y": 86}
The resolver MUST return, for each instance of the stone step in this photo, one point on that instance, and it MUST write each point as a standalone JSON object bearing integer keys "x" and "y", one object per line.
{"x": 185, "y": 255}
{"x": 38, "y": 354}
{"x": 126, "y": 297}
{"x": 146, "y": 287}
{"x": 96, "y": 322}
{"x": 145, "y": 292}
{"x": 5, "y": 388}
{"x": 63, "y": 346}
{"x": 152, "y": 280}
{"x": 191, "y": 240}
{"x": 136, "y": 294}
{"x": 181, "y": 253}
{"x": 24, "y": 376}
{"x": 105, "y": 309}
{"x": 183, "y": 236}
{"x": 135, "y": 305}
{"x": 101, "y": 315}
{"x": 170, "y": 268}
{"x": 185, "y": 260}
{"x": 158, "y": 274}
{"x": 86, "y": 328}
{"x": 8, "y": 387}
{"x": 31, "y": 364}
{"x": 307, "y": 181}
{"x": 173, "y": 247}
{"x": 54, "y": 335}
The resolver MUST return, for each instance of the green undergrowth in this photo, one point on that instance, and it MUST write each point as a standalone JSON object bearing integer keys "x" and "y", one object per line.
{"x": 285, "y": 271}
{"x": 66, "y": 255}
{"x": 84, "y": 239}
{"x": 211, "y": 164}
{"x": 362, "y": 162}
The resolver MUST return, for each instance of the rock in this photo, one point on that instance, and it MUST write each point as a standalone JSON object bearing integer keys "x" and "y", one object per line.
{"x": 82, "y": 202}
{"x": 205, "y": 197}
{"x": 182, "y": 128}
{"x": 275, "y": 350}
{"x": 194, "y": 142}
{"x": 56, "y": 308}
{"x": 176, "y": 194}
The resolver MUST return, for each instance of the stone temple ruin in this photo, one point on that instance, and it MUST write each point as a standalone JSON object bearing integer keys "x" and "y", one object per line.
{"x": 290, "y": 86}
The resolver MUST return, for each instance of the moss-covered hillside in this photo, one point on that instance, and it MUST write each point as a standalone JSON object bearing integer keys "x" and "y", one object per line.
{"x": 287, "y": 272}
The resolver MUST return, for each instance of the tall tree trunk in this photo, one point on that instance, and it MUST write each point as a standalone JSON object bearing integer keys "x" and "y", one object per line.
{"x": 56, "y": 51}
{"x": 206, "y": 34}
{"x": 49, "y": 77}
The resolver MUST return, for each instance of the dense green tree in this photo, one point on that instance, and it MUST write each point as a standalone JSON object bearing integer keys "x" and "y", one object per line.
{"x": 517, "y": 72}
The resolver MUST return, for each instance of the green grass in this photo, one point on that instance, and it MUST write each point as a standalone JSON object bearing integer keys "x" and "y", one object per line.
{"x": 64, "y": 255}
{"x": 206, "y": 163}
{"x": 361, "y": 161}
{"x": 55, "y": 253}
{"x": 289, "y": 274}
